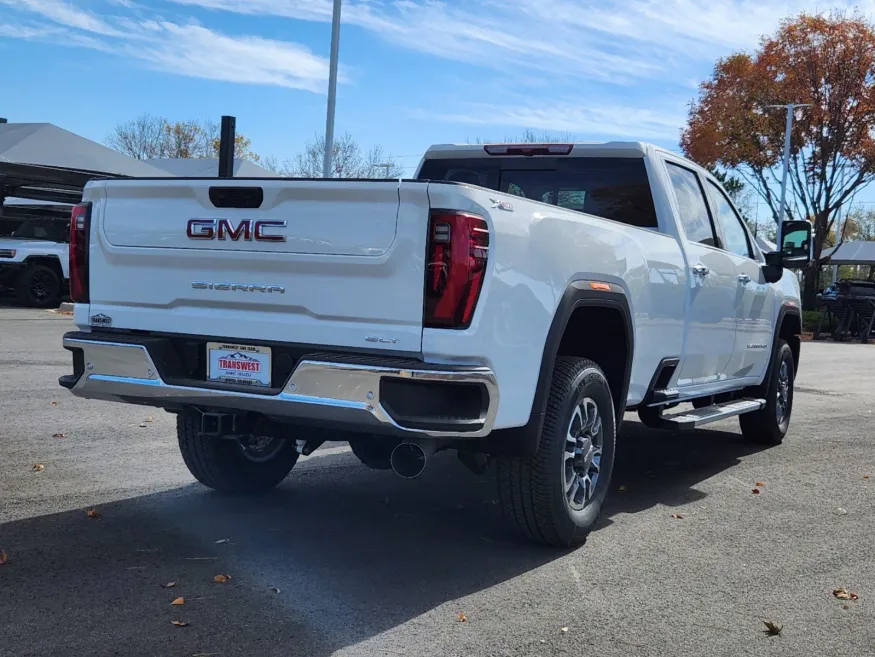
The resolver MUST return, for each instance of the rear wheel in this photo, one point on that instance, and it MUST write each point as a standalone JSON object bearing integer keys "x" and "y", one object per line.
{"x": 254, "y": 465}
{"x": 39, "y": 287}
{"x": 555, "y": 496}
{"x": 769, "y": 425}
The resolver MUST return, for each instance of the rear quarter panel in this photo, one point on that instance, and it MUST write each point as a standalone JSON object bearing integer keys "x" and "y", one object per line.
{"x": 536, "y": 252}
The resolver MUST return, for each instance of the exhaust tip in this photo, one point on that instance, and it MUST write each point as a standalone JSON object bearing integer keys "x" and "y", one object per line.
{"x": 408, "y": 460}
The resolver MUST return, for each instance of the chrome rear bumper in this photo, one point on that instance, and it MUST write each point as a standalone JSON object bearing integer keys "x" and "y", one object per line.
{"x": 317, "y": 391}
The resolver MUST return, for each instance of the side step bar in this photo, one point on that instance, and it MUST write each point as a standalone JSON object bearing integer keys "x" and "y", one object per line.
{"x": 698, "y": 417}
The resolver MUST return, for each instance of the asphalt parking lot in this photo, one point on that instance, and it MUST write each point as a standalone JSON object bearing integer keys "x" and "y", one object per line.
{"x": 342, "y": 560}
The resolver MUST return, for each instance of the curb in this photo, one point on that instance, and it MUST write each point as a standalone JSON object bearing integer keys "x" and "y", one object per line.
{"x": 65, "y": 307}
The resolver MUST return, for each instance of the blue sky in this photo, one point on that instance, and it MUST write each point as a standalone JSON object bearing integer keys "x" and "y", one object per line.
{"x": 413, "y": 72}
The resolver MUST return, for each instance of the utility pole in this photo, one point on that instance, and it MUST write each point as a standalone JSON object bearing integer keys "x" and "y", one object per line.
{"x": 838, "y": 231}
{"x": 332, "y": 90}
{"x": 788, "y": 130}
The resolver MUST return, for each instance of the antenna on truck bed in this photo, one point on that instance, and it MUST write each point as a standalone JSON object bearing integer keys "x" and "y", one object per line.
{"x": 226, "y": 147}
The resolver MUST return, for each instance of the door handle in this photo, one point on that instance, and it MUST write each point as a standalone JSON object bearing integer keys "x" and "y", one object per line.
{"x": 744, "y": 279}
{"x": 700, "y": 270}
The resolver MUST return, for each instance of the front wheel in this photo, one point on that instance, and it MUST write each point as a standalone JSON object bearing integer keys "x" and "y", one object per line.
{"x": 555, "y": 496}
{"x": 39, "y": 287}
{"x": 230, "y": 466}
{"x": 769, "y": 425}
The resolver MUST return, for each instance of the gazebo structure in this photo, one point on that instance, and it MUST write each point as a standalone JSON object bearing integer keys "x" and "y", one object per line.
{"x": 44, "y": 168}
{"x": 848, "y": 304}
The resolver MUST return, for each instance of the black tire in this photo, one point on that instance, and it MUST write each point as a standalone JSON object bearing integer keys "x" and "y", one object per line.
{"x": 532, "y": 489}
{"x": 222, "y": 464}
{"x": 39, "y": 287}
{"x": 764, "y": 427}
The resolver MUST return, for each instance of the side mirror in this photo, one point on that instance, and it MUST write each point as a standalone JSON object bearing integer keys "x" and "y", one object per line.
{"x": 796, "y": 244}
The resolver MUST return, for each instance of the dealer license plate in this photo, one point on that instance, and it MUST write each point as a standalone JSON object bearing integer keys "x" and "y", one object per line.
{"x": 236, "y": 363}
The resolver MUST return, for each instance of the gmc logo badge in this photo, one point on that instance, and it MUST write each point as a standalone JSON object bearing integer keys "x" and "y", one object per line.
{"x": 248, "y": 230}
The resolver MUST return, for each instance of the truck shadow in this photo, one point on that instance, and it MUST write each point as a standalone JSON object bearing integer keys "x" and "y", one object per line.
{"x": 337, "y": 555}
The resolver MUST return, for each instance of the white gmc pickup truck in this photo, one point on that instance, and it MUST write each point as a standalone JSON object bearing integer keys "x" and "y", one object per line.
{"x": 511, "y": 303}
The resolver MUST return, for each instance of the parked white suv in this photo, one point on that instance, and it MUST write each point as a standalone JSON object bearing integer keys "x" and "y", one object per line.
{"x": 510, "y": 303}
{"x": 33, "y": 262}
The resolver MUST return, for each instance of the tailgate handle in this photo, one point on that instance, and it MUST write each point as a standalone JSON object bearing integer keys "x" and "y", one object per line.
{"x": 236, "y": 197}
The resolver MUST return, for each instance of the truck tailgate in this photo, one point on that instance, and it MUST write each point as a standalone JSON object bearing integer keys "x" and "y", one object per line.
{"x": 336, "y": 263}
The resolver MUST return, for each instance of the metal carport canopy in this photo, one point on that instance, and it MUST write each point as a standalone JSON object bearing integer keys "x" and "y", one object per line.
{"x": 849, "y": 253}
{"x": 41, "y": 161}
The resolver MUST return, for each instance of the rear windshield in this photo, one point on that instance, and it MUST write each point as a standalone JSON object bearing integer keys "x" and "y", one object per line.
{"x": 610, "y": 187}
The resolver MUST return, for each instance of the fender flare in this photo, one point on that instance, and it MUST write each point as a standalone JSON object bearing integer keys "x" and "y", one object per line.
{"x": 48, "y": 257}
{"x": 523, "y": 441}
{"x": 786, "y": 310}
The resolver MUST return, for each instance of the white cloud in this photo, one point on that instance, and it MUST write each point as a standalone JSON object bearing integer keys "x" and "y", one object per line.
{"x": 617, "y": 40}
{"x": 611, "y": 62}
{"x": 180, "y": 48}
{"x": 615, "y": 120}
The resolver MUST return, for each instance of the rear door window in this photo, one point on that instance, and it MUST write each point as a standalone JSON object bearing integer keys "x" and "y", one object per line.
{"x": 694, "y": 215}
{"x": 734, "y": 235}
{"x": 611, "y": 188}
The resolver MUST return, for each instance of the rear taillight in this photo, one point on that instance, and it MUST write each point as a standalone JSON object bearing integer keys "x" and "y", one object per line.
{"x": 79, "y": 224}
{"x": 458, "y": 250}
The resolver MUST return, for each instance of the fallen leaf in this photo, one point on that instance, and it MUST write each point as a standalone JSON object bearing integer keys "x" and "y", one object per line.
{"x": 221, "y": 579}
{"x": 3, "y": 557}
{"x": 38, "y": 467}
{"x": 772, "y": 629}
{"x": 756, "y": 491}
{"x": 462, "y": 618}
{"x": 94, "y": 513}
{"x": 275, "y": 589}
{"x": 677, "y": 516}
{"x": 865, "y": 476}
{"x": 564, "y": 629}
{"x": 169, "y": 585}
{"x": 759, "y": 483}
{"x": 844, "y": 594}
{"x": 54, "y": 403}
{"x": 179, "y": 623}
{"x": 178, "y": 601}
{"x": 59, "y": 435}
{"x": 223, "y": 540}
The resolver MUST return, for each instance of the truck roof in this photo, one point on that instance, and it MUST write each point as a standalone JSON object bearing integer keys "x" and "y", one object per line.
{"x": 580, "y": 149}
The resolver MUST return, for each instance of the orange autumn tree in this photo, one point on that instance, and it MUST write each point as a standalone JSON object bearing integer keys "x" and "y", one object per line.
{"x": 825, "y": 61}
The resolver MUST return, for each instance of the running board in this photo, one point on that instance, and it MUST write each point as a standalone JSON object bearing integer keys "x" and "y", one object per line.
{"x": 700, "y": 416}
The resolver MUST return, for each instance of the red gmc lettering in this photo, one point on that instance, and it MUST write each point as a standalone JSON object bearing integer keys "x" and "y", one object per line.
{"x": 226, "y": 229}
{"x": 248, "y": 230}
{"x": 201, "y": 229}
{"x": 261, "y": 225}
